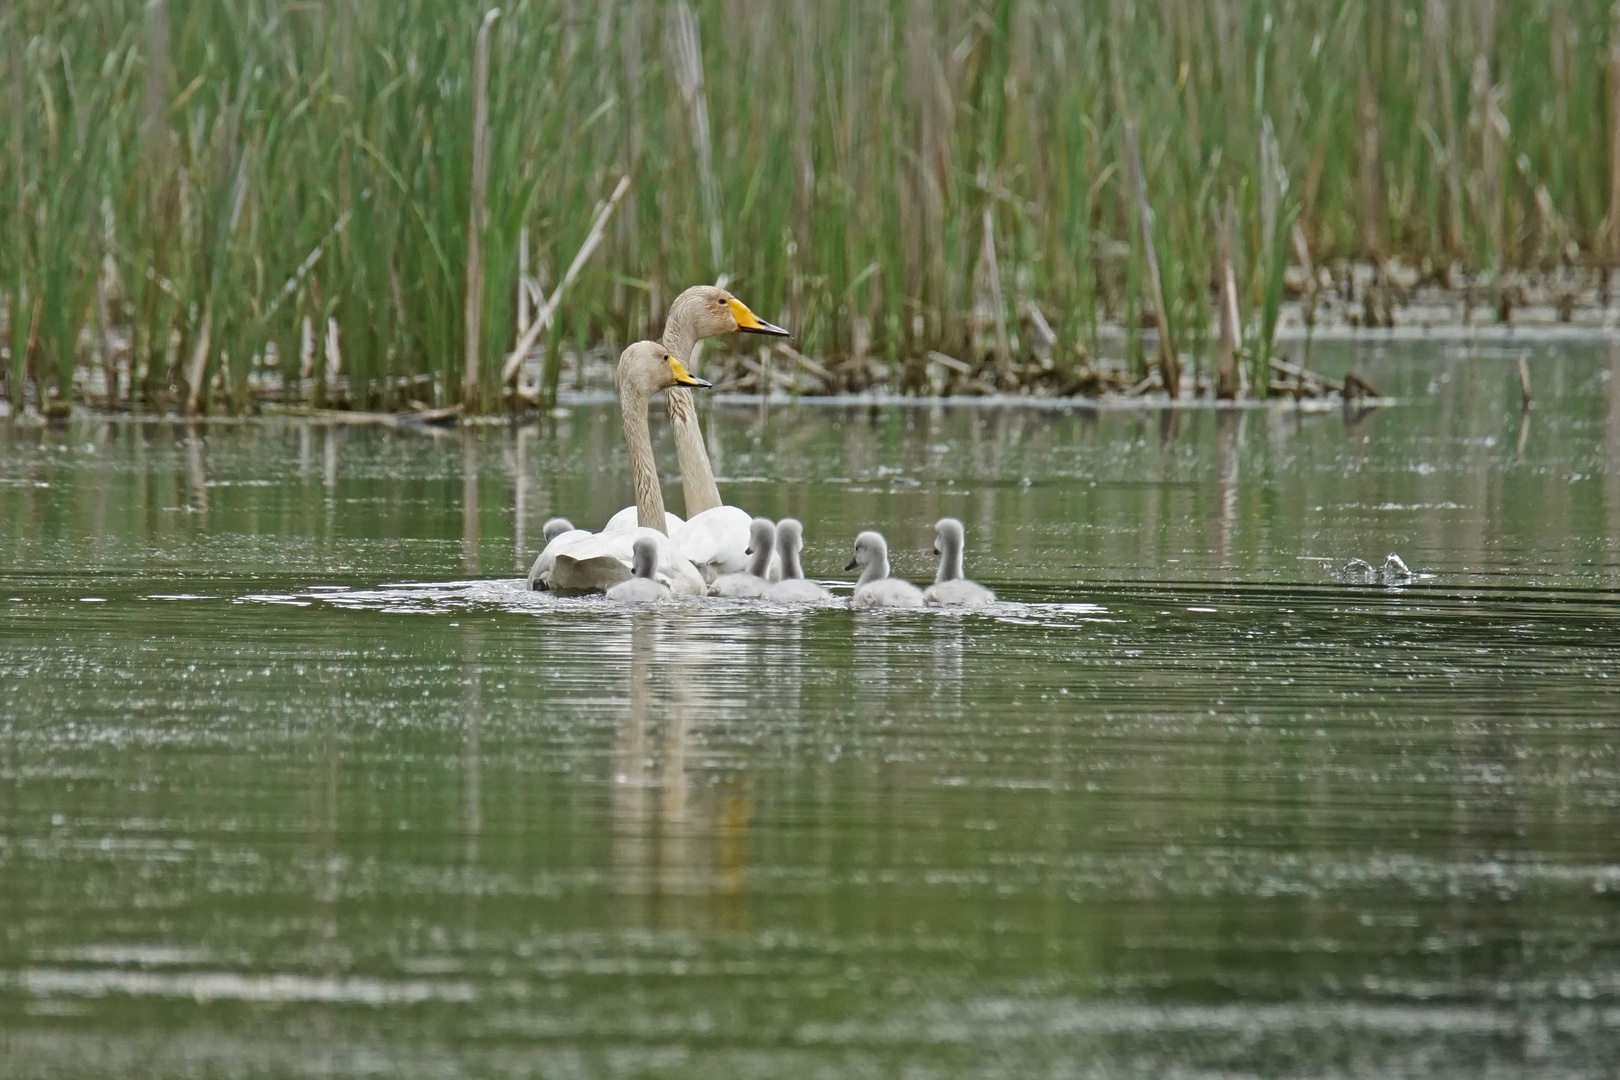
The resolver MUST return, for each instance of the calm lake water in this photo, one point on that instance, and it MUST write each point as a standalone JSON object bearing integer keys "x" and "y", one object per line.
{"x": 296, "y": 780}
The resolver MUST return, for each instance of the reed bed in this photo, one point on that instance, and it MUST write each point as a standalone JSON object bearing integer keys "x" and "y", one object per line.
{"x": 210, "y": 205}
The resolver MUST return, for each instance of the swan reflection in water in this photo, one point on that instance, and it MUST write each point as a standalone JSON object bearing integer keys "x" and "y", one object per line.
{"x": 680, "y": 821}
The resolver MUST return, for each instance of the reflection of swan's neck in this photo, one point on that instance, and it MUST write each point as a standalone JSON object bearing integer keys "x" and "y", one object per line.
{"x": 950, "y": 558}
{"x": 643, "y": 469}
{"x": 697, "y": 475}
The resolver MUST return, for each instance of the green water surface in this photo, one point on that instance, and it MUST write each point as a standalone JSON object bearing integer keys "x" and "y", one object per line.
{"x": 297, "y": 780}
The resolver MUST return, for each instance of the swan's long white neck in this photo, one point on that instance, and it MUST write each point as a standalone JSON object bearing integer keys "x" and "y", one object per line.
{"x": 643, "y": 469}
{"x": 950, "y": 557}
{"x": 697, "y": 475}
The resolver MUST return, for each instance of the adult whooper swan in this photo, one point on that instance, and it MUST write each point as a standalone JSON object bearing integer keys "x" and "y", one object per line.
{"x": 950, "y": 588}
{"x": 876, "y": 588}
{"x": 644, "y": 587}
{"x": 715, "y": 537}
{"x": 761, "y": 540}
{"x": 793, "y": 588}
{"x": 594, "y": 562}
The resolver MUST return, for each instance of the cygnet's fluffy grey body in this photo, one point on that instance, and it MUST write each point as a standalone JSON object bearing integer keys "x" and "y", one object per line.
{"x": 876, "y": 588}
{"x": 761, "y": 538}
{"x": 644, "y": 587}
{"x": 950, "y": 588}
{"x": 793, "y": 588}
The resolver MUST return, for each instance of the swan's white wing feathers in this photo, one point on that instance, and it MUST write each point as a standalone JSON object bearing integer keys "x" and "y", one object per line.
{"x": 628, "y": 518}
{"x": 598, "y": 561}
{"x": 540, "y": 572}
{"x": 715, "y": 541}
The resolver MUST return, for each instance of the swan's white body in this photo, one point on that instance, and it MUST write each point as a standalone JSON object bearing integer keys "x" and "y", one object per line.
{"x": 716, "y": 537}
{"x": 793, "y": 588}
{"x": 876, "y": 588}
{"x": 594, "y": 562}
{"x": 716, "y": 542}
{"x": 626, "y": 519}
{"x": 598, "y": 561}
{"x": 950, "y": 588}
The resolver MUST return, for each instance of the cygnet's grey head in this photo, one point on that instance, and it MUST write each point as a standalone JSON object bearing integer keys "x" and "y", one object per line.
{"x": 871, "y": 556}
{"x": 761, "y": 537}
{"x": 556, "y": 527}
{"x": 789, "y": 542}
{"x": 948, "y": 546}
{"x": 644, "y": 557}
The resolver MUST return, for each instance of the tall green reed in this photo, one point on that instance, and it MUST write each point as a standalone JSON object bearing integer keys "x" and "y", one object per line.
{"x": 182, "y": 162}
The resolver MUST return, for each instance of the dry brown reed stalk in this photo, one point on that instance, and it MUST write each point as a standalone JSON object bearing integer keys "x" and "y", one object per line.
{"x": 543, "y": 318}
{"x": 1302, "y": 252}
{"x": 1169, "y": 361}
{"x": 197, "y": 371}
{"x": 1227, "y": 372}
{"x": 1437, "y": 39}
{"x": 476, "y": 216}
{"x": 1613, "y": 222}
{"x": 523, "y": 282}
{"x": 1371, "y": 167}
{"x": 997, "y": 300}
{"x": 686, "y": 57}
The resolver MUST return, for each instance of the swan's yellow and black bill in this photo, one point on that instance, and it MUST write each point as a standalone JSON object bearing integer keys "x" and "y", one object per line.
{"x": 749, "y": 323}
{"x": 686, "y": 378}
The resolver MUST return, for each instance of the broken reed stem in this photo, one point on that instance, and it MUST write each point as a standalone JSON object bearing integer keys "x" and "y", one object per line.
{"x": 476, "y": 214}
{"x": 199, "y": 364}
{"x": 688, "y": 63}
{"x": 1524, "y": 380}
{"x": 543, "y": 317}
{"x": 1169, "y": 363}
{"x": 1302, "y": 252}
{"x": 1004, "y": 377}
{"x": 1613, "y": 222}
{"x": 523, "y": 282}
{"x": 1371, "y": 166}
{"x": 1226, "y": 366}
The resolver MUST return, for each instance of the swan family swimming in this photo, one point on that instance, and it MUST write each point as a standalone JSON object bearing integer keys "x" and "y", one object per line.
{"x": 645, "y": 554}
{"x": 650, "y": 582}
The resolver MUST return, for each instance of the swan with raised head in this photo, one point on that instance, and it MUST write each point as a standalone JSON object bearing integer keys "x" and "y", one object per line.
{"x": 950, "y": 588}
{"x": 596, "y": 561}
{"x": 793, "y": 588}
{"x": 761, "y": 541}
{"x": 644, "y": 587}
{"x": 715, "y": 536}
{"x": 876, "y": 588}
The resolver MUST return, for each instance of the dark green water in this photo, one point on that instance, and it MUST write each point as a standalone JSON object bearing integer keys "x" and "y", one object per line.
{"x": 295, "y": 781}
